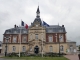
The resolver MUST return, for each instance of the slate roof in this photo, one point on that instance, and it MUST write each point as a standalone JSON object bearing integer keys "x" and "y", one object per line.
{"x": 51, "y": 29}
{"x": 55, "y": 29}
{"x": 16, "y": 30}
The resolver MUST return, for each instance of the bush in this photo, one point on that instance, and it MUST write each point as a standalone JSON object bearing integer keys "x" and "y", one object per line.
{"x": 12, "y": 55}
{"x": 51, "y": 54}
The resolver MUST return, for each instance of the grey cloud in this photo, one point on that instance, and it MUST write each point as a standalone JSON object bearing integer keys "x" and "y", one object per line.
{"x": 65, "y": 12}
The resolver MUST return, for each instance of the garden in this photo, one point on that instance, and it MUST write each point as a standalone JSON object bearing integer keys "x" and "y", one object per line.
{"x": 47, "y": 56}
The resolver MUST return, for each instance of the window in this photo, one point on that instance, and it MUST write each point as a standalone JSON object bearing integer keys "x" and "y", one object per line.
{"x": 50, "y": 30}
{"x": 36, "y": 36}
{"x": 24, "y": 31}
{"x": 71, "y": 48}
{"x": 15, "y": 32}
{"x": 61, "y": 48}
{"x": 61, "y": 37}
{"x": 50, "y": 39}
{"x": 51, "y": 49}
{"x": 7, "y": 38}
{"x": 6, "y": 41}
{"x": 13, "y": 48}
{"x": 24, "y": 49}
{"x": 24, "y": 39}
{"x": 60, "y": 30}
{"x": 14, "y": 39}
{"x": 7, "y": 32}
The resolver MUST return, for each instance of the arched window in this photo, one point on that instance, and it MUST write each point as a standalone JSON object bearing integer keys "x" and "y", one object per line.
{"x": 51, "y": 49}
{"x": 61, "y": 48}
{"x": 13, "y": 48}
{"x": 24, "y": 49}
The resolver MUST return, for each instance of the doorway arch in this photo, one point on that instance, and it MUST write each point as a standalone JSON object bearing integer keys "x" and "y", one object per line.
{"x": 36, "y": 49}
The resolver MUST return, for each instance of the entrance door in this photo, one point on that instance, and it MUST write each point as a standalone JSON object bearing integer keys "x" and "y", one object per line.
{"x": 36, "y": 50}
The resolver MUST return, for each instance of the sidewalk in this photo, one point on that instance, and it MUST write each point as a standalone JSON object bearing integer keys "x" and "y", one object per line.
{"x": 72, "y": 57}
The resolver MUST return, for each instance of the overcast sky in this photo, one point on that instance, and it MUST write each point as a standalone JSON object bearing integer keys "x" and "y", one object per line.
{"x": 65, "y": 12}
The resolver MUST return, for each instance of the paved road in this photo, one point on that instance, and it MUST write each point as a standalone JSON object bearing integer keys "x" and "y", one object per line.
{"x": 72, "y": 57}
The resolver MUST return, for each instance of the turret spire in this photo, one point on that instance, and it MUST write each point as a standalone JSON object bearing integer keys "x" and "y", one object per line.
{"x": 38, "y": 12}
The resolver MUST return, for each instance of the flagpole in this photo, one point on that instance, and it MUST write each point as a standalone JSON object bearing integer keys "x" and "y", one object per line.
{"x": 20, "y": 41}
{"x": 42, "y": 39}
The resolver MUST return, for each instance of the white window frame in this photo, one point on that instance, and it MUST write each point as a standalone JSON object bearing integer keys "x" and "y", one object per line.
{"x": 14, "y": 39}
{"x": 24, "y": 39}
{"x": 71, "y": 48}
{"x": 51, "y": 48}
{"x": 23, "y": 48}
{"x": 61, "y": 48}
{"x": 50, "y": 38}
{"x": 13, "y": 49}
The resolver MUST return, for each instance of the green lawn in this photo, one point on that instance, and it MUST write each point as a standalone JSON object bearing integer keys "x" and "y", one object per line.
{"x": 36, "y": 58}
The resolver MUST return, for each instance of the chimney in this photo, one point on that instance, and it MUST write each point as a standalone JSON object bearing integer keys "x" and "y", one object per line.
{"x": 15, "y": 26}
{"x": 62, "y": 25}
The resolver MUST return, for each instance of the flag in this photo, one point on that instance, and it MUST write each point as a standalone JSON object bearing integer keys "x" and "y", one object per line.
{"x": 24, "y": 24}
{"x": 45, "y": 24}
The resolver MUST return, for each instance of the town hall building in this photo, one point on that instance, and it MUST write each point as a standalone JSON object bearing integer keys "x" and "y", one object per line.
{"x": 37, "y": 38}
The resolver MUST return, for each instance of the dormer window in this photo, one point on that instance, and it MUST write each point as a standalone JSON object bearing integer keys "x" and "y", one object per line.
{"x": 60, "y": 30}
{"x": 7, "y": 32}
{"x": 15, "y": 31}
{"x": 50, "y": 30}
{"x": 24, "y": 31}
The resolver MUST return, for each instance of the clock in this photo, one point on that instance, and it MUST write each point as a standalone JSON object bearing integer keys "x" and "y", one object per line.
{"x": 36, "y": 25}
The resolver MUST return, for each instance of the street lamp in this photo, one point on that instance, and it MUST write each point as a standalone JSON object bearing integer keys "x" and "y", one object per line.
{"x": 7, "y": 38}
{"x": 59, "y": 45}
